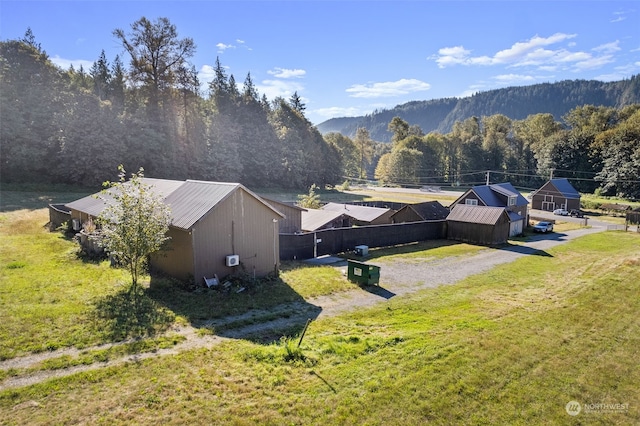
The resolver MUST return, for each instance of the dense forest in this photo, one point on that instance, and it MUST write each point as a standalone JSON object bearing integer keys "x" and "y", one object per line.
{"x": 518, "y": 103}
{"x": 148, "y": 110}
{"x": 76, "y": 126}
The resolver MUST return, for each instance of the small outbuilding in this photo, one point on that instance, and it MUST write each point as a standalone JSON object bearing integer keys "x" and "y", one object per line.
{"x": 502, "y": 195}
{"x": 217, "y": 228}
{"x": 556, "y": 194}
{"x": 317, "y": 219}
{"x": 429, "y": 210}
{"x": 478, "y": 224}
{"x": 362, "y": 215}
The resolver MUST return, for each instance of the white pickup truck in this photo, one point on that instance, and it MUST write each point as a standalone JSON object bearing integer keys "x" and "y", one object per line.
{"x": 543, "y": 227}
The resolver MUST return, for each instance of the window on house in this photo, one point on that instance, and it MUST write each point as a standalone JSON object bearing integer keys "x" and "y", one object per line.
{"x": 471, "y": 202}
{"x": 512, "y": 200}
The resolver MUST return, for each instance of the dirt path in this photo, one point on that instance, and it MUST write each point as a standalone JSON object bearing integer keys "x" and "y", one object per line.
{"x": 397, "y": 278}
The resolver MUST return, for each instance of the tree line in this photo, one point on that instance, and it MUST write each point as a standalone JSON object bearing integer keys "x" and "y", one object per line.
{"x": 596, "y": 148}
{"x": 76, "y": 126}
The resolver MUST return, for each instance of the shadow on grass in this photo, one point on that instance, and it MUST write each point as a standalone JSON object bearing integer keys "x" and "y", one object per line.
{"x": 379, "y": 291}
{"x": 263, "y": 312}
{"x": 130, "y": 313}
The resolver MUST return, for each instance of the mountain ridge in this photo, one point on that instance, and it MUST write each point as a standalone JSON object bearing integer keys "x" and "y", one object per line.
{"x": 515, "y": 102}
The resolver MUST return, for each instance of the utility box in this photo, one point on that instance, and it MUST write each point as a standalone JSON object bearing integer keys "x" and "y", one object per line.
{"x": 362, "y": 250}
{"x": 362, "y": 273}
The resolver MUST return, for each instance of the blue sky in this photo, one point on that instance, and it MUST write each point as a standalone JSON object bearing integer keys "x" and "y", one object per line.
{"x": 349, "y": 58}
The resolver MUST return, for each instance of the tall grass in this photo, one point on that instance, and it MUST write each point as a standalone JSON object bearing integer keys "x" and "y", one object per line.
{"x": 511, "y": 346}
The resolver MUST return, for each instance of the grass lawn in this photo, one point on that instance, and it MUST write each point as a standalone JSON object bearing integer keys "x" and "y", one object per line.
{"x": 510, "y": 346}
{"x": 50, "y": 298}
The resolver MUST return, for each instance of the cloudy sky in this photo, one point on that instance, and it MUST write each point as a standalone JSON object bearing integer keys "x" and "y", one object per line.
{"x": 349, "y": 58}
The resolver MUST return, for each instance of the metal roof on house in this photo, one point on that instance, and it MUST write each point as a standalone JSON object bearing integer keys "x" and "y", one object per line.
{"x": 361, "y": 213}
{"x": 489, "y": 194}
{"x": 476, "y": 214}
{"x": 313, "y": 219}
{"x": 189, "y": 200}
{"x": 95, "y": 203}
{"x": 429, "y": 210}
{"x": 565, "y": 188}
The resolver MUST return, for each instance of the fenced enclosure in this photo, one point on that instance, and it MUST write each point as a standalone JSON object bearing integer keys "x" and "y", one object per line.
{"x": 338, "y": 240}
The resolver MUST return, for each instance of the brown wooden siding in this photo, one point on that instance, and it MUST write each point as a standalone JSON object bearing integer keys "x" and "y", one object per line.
{"x": 239, "y": 225}
{"x": 406, "y": 214}
{"x": 177, "y": 260}
{"x": 475, "y": 233}
{"x": 549, "y": 198}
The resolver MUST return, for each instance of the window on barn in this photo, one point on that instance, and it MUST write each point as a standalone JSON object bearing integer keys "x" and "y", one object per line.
{"x": 471, "y": 202}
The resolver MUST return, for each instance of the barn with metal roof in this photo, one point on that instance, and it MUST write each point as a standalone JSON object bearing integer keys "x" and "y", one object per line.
{"x": 217, "y": 228}
{"x": 556, "y": 194}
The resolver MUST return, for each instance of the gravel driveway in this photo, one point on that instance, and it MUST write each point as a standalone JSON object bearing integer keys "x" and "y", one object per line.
{"x": 396, "y": 279}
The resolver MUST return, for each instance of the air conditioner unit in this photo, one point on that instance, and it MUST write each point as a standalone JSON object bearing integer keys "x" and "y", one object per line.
{"x": 361, "y": 250}
{"x": 233, "y": 260}
{"x": 75, "y": 224}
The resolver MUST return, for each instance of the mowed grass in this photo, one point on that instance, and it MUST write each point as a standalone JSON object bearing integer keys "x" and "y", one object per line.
{"x": 50, "y": 298}
{"x": 511, "y": 346}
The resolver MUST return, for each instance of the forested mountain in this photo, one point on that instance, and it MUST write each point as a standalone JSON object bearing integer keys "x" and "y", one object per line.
{"x": 517, "y": 103}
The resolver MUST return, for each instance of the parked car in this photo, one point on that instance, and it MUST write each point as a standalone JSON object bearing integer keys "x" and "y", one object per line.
{"x": 576, "y": 213}
{"x": 543, "y": 227}
{"x": 561, "y": 212}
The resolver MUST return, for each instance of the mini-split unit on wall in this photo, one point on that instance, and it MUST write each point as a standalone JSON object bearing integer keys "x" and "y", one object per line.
{"x": 233, "y": 260}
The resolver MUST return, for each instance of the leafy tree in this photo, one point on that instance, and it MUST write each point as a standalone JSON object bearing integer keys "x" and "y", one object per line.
{"x": 157, "y": 54}
{"x": 620, "y": 174}
{"x": 310, "y": 200}
{"x": 134, "y": 224}
{"x": 364, "y": 145}
{"x": 399, "y": 128}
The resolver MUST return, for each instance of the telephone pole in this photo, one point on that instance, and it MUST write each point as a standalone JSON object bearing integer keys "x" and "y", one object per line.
{"x": 488, "y": 173}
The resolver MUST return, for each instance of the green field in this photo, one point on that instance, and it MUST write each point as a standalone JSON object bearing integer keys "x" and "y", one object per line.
{"x": 510, "y": 346}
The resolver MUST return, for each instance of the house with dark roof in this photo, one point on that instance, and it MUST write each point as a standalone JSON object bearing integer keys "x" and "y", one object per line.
{"x": 429, "y": 210}
{"x": 478, "y": 224}
{"x": 502, "y": 195}
{"x": 217, "y": 228}
{"x": 556, "y": 194}
{"x": 362, "y": 215}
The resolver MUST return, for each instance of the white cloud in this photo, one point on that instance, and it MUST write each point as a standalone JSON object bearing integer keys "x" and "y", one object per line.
{"x": 614, "y": 46}
{"x": 514, "y": 78}
{"x": 388, "y": 89}
{"x": 282, "y": 88}
{"x": 592, "y": 63}
{"x": 287, "y": 73}
{"x": 535, "y": 52}
{"x": 338, "y": 112}
{"x": 65, "y": 64}
{"x": 223, "y": 47}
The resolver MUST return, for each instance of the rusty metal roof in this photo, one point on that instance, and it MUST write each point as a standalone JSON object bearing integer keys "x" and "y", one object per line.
{"x": 477, "y": 214}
